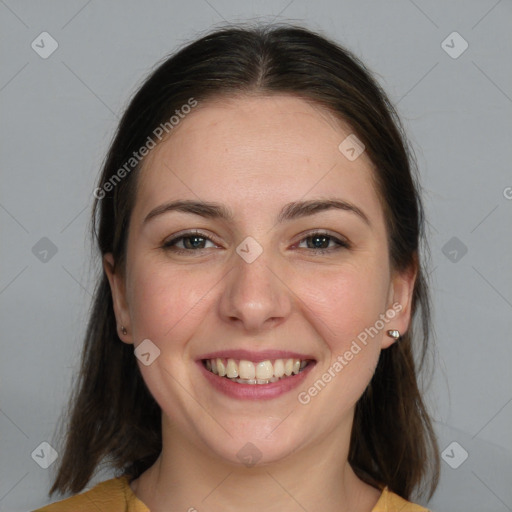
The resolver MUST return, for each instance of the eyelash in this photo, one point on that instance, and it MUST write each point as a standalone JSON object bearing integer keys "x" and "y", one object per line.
{"x": 170, "y": 244}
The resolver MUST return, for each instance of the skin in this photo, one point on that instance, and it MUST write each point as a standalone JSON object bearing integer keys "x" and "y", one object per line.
{"x": 254, "y": 154}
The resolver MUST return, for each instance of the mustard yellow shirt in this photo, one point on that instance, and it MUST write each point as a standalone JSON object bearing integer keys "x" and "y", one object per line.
{"x": 116, "y": 495}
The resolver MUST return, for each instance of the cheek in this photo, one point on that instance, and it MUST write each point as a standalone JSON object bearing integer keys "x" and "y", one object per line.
{"x": 347, "y": 301}
{"x": 346, "y": 309}
{"x": 166, "y": 308}
{"x": 163, "y": 301}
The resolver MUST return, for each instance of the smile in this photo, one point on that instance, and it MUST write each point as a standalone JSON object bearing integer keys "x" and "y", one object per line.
{"x": 243, "y": 371}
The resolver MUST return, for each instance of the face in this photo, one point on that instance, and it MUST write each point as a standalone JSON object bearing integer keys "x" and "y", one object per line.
{"x": 258, "y": 286}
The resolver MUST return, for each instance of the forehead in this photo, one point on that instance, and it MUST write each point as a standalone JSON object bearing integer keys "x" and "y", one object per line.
{"x": 256, "y": 152}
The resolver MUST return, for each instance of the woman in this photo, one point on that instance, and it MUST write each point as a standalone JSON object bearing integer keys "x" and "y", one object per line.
{"x": 251, "y": 341}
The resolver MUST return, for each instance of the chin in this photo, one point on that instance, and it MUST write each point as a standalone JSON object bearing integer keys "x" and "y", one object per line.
{"x": 260, "y": 444}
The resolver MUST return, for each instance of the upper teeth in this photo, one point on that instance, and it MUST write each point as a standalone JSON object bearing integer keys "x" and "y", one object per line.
{"x": 263, "y": 370}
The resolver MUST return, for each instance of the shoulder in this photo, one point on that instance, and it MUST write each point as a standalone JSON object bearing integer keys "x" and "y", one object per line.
{"x": 391, "y": 502}
{"x": 112, "y": 495}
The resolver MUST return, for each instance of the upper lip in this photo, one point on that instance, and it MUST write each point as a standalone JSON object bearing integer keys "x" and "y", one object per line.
{"x": 256, "y": 357}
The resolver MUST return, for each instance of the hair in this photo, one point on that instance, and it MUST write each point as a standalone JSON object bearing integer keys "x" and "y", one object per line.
{"x": 112, "y": 417}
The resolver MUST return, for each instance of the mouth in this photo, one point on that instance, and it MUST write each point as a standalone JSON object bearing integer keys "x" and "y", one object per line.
{"x": 244, "y": 371}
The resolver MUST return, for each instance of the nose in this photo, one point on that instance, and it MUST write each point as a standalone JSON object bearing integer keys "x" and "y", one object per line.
{"x": 256, "y": 296}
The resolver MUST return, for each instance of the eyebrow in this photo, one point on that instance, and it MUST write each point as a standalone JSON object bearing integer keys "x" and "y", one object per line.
{"x": 290, "y": 211}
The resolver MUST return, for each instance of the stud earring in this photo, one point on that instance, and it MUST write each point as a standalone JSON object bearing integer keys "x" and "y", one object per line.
{"x": 123, "y": 330}
{"x": 393, "y": 333}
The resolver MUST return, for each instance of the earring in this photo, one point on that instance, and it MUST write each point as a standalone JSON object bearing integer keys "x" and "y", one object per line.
{"x": 393, "y": 333}
{"x": 123, "y": 330}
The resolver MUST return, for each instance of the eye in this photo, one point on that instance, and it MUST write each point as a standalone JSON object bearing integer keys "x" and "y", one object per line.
{"x": 321, "y": 240}
{"x": 192, "y": 241}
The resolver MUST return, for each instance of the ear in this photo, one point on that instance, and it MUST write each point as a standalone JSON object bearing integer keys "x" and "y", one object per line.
{"x": 400, "y": 302}
{"x": 118, "y": 291}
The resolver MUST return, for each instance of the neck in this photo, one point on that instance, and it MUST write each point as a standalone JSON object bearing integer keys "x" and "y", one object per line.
{"x": 318, "y": 477}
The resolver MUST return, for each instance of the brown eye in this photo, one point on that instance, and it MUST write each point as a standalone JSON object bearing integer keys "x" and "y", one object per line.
{"x": 192, "y": 241}
{"x": 320, "y": 242}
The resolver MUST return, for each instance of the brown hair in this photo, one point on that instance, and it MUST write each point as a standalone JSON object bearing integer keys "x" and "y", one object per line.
{"x": 113, "y": 419}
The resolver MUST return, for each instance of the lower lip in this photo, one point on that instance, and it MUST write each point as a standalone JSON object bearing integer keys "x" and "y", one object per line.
{"x": 255, "y": 391}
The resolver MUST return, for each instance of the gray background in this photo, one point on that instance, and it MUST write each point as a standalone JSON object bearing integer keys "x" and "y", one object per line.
{"x": 59, "y": 113}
